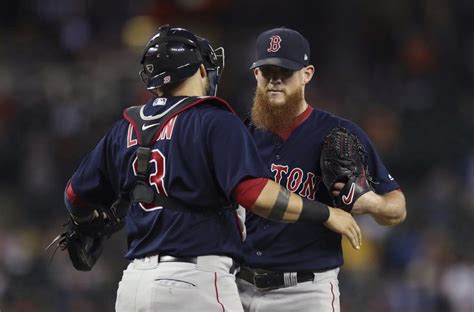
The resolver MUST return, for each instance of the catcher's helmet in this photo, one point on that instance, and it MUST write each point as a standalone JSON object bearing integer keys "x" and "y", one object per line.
{"x": 174, "y": 54}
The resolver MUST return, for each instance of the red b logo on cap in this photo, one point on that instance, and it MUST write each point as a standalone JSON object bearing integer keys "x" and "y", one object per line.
{"x": 274, "y": 43}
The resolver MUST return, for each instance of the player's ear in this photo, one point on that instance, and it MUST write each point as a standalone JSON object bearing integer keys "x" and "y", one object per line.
{"x": 255, "y": 72}
{"x": 202, "y": 71}
{"x": 308, "y": 73}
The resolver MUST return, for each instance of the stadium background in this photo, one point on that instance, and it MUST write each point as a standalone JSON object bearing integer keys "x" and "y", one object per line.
{"x": 402, "y": 69}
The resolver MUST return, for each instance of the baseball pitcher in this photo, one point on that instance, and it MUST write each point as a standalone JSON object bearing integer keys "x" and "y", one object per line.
{"x": 319, "y": 156}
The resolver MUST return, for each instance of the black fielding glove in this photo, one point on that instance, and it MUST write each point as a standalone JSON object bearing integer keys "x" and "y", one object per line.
{"x": 344, "y": 159}
{"x": 84, "y": 240}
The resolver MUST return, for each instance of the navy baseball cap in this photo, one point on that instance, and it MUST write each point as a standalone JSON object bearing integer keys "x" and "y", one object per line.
{"x": 283, "y": 47}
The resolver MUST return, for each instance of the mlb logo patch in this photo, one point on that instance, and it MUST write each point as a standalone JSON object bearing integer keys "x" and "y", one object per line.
{"x": 167, "y": 79}
{"x": 159, "y": 102}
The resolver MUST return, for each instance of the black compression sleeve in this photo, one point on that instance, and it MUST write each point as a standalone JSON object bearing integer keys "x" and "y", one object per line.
{"x": 314, "y": 211}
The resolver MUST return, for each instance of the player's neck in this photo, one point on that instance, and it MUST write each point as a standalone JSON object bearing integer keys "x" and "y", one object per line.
{"x": 298, "y": 118}
{"x": 302, "y": 108}
{"x": 189, "y": 87}
{"x": 188, "y": 92}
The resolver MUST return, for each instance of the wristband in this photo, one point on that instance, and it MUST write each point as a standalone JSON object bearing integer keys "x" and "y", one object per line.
{"x": 314, "y": 211}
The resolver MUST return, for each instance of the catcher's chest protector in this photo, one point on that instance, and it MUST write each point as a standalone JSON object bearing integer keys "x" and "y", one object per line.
{"x": 147, "y": 130}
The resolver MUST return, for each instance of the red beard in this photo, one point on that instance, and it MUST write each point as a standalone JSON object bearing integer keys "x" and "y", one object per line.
{"x": 272, "y": 117}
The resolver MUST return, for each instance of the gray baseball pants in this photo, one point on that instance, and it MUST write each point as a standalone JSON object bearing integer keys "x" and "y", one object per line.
{"x": 319, "y": 295}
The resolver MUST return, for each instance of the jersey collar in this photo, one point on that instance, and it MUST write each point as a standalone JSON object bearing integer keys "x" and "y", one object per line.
{"x": 285, "y": 134}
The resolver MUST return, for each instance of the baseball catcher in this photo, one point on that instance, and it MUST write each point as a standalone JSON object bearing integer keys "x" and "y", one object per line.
{"x": 344, "y": 159}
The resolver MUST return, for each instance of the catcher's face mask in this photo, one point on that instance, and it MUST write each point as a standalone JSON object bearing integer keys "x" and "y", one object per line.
{"x": 213, "y": 60}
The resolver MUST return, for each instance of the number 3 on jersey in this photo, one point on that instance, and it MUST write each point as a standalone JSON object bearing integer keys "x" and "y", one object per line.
{"x": 158, "y": 171}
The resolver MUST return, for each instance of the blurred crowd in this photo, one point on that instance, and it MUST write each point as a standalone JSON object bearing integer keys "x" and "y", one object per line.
{"x": 402, "y": 69}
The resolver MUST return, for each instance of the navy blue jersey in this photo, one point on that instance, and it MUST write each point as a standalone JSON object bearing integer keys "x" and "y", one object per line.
{"x": 199, "y": 158}
{"x": 294, "y": 163}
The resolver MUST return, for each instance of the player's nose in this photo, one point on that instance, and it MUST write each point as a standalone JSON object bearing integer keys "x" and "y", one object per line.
{"x": 276, "y": 79}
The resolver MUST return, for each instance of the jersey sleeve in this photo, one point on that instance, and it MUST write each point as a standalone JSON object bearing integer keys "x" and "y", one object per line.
{"x": 247, "y": 192}
{"x": 233, "y": 152}
{"x": 92, "y": 182}
{"x": 383, "y": 180}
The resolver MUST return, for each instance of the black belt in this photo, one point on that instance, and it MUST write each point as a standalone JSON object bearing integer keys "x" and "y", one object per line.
{"x": 166, "y": 258}
{"x": 264, "y": 279}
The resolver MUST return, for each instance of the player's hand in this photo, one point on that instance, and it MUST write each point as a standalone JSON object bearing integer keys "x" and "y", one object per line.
{"x": 343, "y": 223}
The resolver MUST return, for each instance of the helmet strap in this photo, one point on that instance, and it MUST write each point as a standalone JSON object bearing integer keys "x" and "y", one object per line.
{"x": 213, "y": 78}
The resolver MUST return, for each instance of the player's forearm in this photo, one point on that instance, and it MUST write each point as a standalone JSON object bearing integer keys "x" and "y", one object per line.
{"x": 78, "y": 209}
{"x": 389, "y": 209}
{"x": 279, "y": 204}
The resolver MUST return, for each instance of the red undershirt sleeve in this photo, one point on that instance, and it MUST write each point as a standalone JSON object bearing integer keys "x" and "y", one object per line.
{"x": 75, "y": 205}
{"x": 247, "y": 191}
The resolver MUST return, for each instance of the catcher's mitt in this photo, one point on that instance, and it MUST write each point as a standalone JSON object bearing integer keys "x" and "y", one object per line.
{"x": 344, "y": 159}
{"x": 84, "y": 241}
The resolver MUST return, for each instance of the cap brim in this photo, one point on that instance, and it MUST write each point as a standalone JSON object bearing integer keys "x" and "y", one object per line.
{"x": 280, "y": 62}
